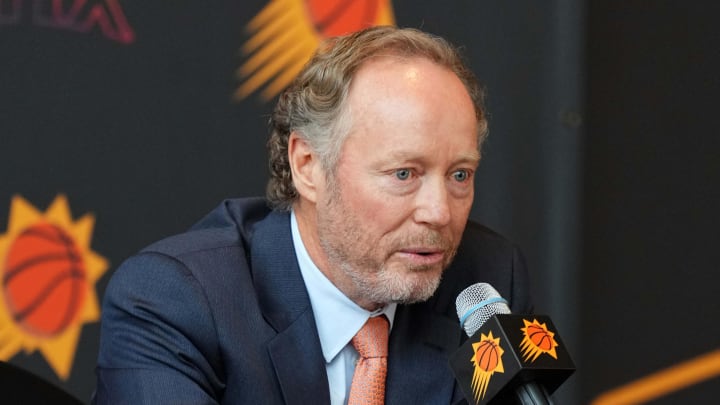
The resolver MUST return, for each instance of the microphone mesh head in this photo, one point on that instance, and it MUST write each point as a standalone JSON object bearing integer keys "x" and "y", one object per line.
{"x": 471, "y": 297}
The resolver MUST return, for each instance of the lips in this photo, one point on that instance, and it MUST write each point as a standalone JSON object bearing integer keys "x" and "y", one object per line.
{"x": 422, "y": 256}
{"x": 422, "y": 251}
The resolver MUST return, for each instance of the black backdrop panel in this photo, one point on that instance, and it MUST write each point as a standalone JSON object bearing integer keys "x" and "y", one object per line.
{"x": 652, "y": 192}
{"x": 143, "y": 132}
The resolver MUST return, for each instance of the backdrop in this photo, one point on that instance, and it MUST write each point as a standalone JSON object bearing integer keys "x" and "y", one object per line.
{"x": 124, "y": 121}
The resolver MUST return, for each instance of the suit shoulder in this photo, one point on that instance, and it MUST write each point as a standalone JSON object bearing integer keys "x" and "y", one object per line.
{"x": 230, "y": 225}
{"x": 195, "y": 241}
{"x": 482, "y": 249}
{"x": 486, "y": 256}
{"x": 213, "y": 254}
{"x": 477, "y": 236}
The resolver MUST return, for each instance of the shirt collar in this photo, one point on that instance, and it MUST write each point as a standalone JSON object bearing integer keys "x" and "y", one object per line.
{"x": 337, "y": 317}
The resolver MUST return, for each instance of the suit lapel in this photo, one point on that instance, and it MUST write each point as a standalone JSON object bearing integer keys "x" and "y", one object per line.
{"x": 295, "y": 351}
{"x": 299, "y": 365}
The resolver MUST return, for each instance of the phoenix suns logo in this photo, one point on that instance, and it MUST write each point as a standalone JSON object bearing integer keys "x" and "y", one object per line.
{"x": 48, "y": 275}
{"x": 285, "y": 33}
{"x": 85, "y": 16}
{"x": 537, "y": 340}
{"x": 487, "y": 360}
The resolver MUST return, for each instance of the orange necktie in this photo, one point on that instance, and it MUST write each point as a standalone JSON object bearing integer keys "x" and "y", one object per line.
{"x": 368, "y": 383}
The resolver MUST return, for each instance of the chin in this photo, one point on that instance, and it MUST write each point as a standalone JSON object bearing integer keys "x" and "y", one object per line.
{"x": 401, "y": 284}
{"x": 416, "y": 287}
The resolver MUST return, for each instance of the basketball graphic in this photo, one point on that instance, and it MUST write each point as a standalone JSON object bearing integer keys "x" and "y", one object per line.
{"x": 537, "y": 340}
{"x": 48, "y": 275}
{"x": 43, "y": 281}
{"x": 285, "y": 33}
{"x": 487, "y": 360}
{"x": 487, "y": 355}
{"x": 540, "y": 337}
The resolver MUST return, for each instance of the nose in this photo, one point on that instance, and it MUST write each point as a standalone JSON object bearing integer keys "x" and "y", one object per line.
{"x": 432, "y": 204}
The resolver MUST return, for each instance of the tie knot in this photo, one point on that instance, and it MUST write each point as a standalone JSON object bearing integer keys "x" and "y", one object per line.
{"x": 372, "y": 339}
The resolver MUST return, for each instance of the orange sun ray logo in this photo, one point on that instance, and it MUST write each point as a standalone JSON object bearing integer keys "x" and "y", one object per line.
{"x": 285, "y": 33}
{"x": 537, "y": 340}
{"x": 48, "y": 274}
{"x": 487, "y": 360}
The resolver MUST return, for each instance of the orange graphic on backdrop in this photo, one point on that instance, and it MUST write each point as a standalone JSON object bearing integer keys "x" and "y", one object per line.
{"x": 487, "y": 360}
{"x": 285, "y": 33}
{"x": 48, "y": 274}
{"x": 537, "y": 340}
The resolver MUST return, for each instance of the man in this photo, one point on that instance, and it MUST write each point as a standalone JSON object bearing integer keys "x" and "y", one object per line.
{"x": 372, "y": 154}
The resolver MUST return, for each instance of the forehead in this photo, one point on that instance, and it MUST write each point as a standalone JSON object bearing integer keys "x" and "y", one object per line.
{"x": 397, "y": 102}
{"x": 388, "y": 77}
{"x": 416, "y": 81}
{"x": 384, "y": 66}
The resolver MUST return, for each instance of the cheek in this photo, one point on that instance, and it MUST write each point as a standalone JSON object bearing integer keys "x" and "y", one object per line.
{"x": 378, "y": 212}
{"x": 460, "y": 214}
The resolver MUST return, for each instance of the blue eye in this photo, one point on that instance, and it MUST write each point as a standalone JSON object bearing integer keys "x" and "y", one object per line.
{"x": 461, "y": 175}
{"x": 402, "y": 174}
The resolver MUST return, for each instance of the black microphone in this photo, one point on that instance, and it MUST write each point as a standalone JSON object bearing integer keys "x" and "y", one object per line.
{"x": 508, "y": 358}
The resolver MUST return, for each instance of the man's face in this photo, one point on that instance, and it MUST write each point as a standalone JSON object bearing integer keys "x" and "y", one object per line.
{"x": 390, "y": 218}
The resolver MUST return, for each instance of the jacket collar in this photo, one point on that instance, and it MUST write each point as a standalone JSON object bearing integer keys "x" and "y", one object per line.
{"x": 295, "y": 351}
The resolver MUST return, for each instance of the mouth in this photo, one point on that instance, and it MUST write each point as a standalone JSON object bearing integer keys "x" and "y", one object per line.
{"x": 423, "y": 256}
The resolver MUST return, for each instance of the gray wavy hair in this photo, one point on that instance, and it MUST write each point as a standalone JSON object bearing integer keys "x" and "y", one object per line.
{"x": 314, "y": 104}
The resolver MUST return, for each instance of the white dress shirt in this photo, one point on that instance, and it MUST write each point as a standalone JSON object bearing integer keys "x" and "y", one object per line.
{"x": 338, "y": 319}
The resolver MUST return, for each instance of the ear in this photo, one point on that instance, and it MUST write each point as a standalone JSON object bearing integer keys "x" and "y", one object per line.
{"x": 305, "y": 167}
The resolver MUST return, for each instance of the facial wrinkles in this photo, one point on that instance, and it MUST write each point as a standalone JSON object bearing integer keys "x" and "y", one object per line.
{"x": 362, "y": 263}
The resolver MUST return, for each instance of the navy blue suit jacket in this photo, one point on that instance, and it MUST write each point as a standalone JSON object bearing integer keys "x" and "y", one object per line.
{"x": 220, "y": 314}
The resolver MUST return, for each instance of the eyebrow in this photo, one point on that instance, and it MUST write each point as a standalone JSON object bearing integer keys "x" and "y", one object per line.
{"x": 473, "y": 157}
{"x": 470, "y": 157}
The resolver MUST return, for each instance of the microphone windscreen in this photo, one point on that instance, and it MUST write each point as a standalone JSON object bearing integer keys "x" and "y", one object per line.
{"x": 478, "y": 303}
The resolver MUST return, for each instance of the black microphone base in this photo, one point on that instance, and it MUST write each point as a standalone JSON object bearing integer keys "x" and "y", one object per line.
{"x": 533, "y": 394}
{"x": 530, "y": 393}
